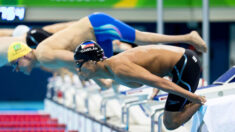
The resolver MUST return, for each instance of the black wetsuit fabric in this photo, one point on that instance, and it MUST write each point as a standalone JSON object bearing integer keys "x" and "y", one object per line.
{"x": 35, "y": 36}
{"x": 186, "y": 74}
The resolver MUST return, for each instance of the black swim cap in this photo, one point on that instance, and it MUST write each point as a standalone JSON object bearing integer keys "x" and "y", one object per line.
{"x": 89, "y": 50}
{"x": 35, "y": 36}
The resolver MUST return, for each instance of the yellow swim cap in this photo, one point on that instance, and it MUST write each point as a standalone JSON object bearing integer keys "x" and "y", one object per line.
{"x": 17, "y": 50}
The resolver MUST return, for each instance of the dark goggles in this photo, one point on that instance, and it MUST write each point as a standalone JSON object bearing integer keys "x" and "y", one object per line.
{"x": 79, "y": 64}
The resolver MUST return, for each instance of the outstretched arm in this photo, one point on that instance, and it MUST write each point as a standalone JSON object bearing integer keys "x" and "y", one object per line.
{"x": 57, "y": 50}
{"x": 6, "y": 32}
{"x": 53, "y": 52}
{"x": 134, "y": 73}
{"x": 104, "y": 83}
{"x": 56, "y": 59}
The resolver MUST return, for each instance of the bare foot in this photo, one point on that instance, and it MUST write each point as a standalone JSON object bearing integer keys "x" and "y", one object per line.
{"x": 198, "y": 42}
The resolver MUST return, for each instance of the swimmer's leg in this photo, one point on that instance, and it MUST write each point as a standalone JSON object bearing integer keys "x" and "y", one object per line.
{"x": 173, "y": 120}
{"x": 192, "y": 38}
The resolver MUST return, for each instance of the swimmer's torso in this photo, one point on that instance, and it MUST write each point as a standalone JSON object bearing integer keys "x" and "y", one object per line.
{"x": 157, "y": 59}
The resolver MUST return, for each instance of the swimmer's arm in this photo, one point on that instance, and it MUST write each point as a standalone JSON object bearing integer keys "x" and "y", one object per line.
{"x": 57, "y": 27}
{"x": 56, "y": 59}
{"x": 6, "y": 32}
{"x": 104, "y": 83}
{"x": 138, "y": 74}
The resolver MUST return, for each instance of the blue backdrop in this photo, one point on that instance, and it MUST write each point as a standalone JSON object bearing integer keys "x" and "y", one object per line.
{"x": 18, "y": 87}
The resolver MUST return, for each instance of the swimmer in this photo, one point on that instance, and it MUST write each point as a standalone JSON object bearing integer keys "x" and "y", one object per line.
{"x": 31, "y": 37}
{"x": 103, "y": 29}
{"x": 147, "y": 65}
{"x": 57, "y": 50}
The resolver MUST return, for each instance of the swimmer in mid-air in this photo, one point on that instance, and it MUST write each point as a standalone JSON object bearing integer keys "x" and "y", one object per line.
{"x": 22, "y": 33}
{"x": 147, "y": 65}
{"x": 57, "y": 50}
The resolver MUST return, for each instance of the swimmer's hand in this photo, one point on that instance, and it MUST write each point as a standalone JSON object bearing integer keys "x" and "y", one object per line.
{"x": 203, "y": 99}
{"x": 200, "y": 100}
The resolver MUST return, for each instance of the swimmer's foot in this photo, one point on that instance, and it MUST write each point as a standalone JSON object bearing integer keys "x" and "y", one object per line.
{"x": 197, "y": 42}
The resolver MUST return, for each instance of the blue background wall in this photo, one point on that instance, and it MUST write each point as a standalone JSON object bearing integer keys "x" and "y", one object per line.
{"x": 219, "y": 49}
{"x": 18, "y": 87}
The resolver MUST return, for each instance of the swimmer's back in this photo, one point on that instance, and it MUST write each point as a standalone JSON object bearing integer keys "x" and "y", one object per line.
{"x": 70, "y": 37}
{"x": 159, "y": 59}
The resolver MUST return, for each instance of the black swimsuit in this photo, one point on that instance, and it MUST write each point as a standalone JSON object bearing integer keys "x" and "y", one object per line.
{"x": 186, "y": 74}
{"x": 35, "y": 36}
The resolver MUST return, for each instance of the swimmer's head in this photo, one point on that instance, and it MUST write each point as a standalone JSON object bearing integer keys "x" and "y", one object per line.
{"x": 17, "y": 50}
{"x": 20, "y": 57}
{"x": 86, "y": 51}
{"x": 36, "y": 36}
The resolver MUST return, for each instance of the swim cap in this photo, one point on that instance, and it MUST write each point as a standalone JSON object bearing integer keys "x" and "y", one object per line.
{"x": 20, "y": 30}
{"x": 17, "y": 50}
{"x": 35, "y": 36}
{"x": 89, "y": 50}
